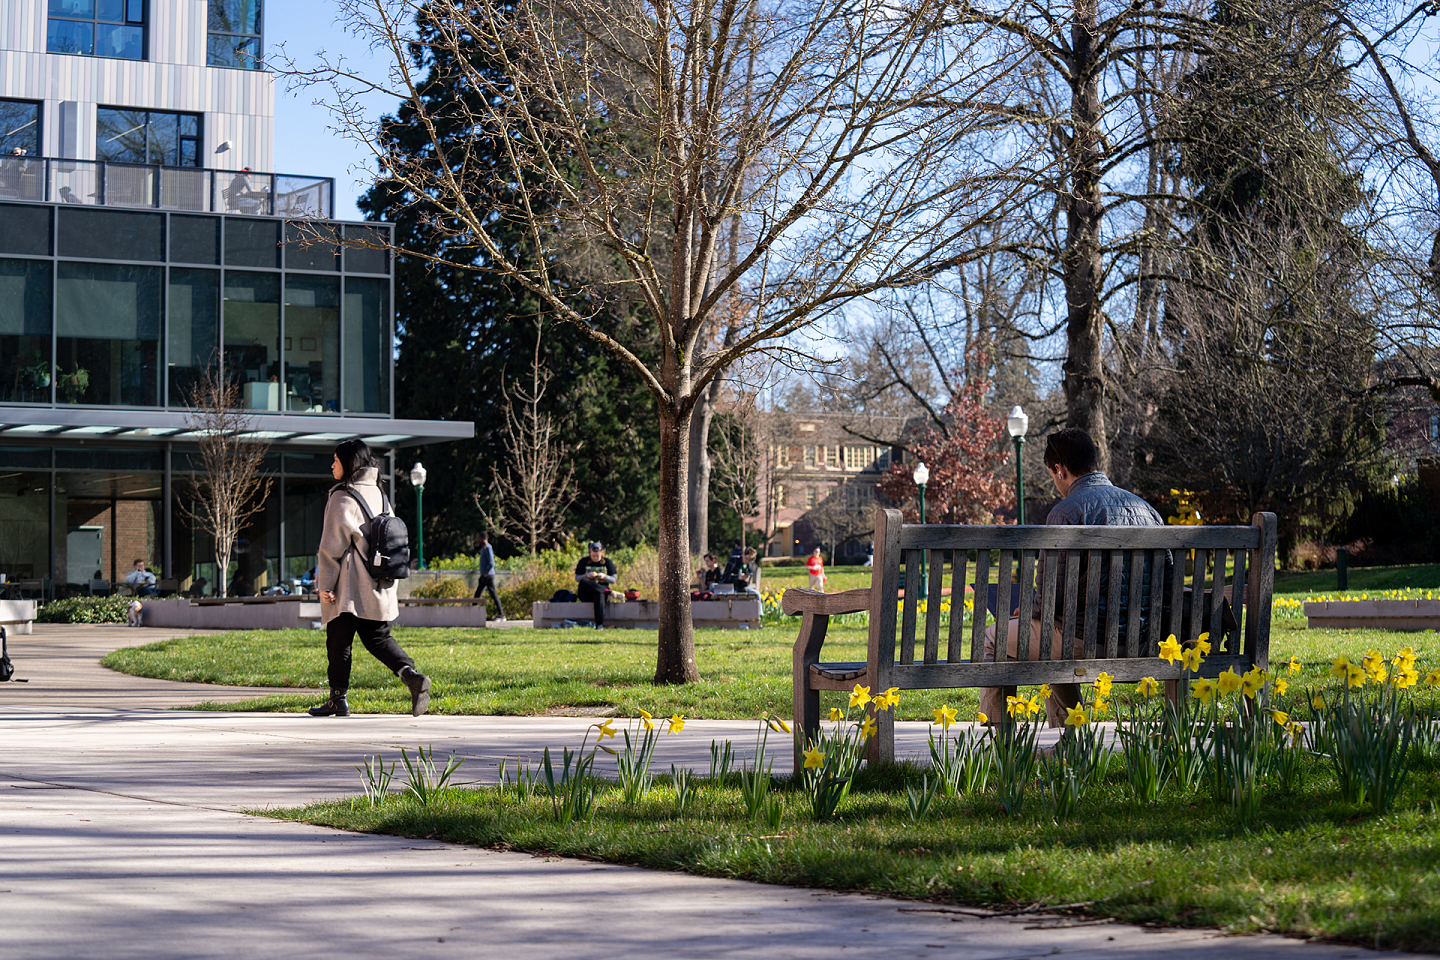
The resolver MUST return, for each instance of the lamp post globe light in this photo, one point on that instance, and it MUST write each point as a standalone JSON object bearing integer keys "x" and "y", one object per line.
{"x": 1017, "y": 423}
{"x": 922, "y": 477}
{"x": 417, "y": 477}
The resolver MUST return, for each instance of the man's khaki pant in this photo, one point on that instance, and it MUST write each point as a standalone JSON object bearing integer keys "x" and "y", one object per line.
{"x": 1063, "y": 696}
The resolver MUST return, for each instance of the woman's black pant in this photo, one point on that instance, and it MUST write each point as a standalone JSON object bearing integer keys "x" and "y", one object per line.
{"x": 587, "y": 591}
{"x": 375, "y": 634}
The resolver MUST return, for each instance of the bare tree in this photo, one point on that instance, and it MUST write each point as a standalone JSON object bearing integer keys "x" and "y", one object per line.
{"x": 833, "y": 132}
{"x": 530, "y": 491}
{"x": 229, "y": 489}
{"x": 736, "y": 442}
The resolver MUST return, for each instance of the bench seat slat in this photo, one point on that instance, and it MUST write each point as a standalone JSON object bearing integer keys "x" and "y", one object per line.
{"x": 955, "y": 644}
{"x": 912, "y": 604}
{"x": 1217, "y": 610}
{"x": 935, "y": 583}
{"x": 1072, "y": 593}
{"x": 1092, "y": 605}
{"x": 982, "y": 592}
{"x": 1112, "y": 603}
{"x": 1027, "y": 606}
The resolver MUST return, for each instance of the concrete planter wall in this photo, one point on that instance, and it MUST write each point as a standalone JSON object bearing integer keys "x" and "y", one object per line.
{"x": 288, "y": 615}
{"x": 17, "y": 616}
{"x": 1374, "y": 614}
{"x": 734, "y": 613}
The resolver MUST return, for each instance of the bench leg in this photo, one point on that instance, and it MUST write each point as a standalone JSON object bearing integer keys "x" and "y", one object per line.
{"x": 805, "y": 723}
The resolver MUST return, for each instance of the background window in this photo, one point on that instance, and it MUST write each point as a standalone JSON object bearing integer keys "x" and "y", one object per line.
{"x": 252, "y": 337}
{"x": 147, "y": 136}
{"x": 235, "y": 34}
{"x": 193, "y": 309}
{"x": 107, "y": 334}
{"x": 312, "y": 343}
{"x": 367, "y": 346}
{"x": 100, "y": 28}
{"x": 19, "y": 127}
{"x": 25, "y": 331}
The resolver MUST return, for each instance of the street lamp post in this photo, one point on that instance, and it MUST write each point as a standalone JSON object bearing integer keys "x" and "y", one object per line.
{"x": 1017, "y": 423}
{"x": 417, "y": 477}
{"x": 922, "y": 477}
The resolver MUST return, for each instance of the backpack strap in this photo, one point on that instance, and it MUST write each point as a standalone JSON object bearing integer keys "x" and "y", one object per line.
{"x": 365, "y": 509}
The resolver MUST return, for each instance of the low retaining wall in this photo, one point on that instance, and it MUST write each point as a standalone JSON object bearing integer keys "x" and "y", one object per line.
{"x": 290, "y": 614}
{"x": 17, "y": 616}
{"x": 1373, "y": 614}
{"x": 739, "y": 612}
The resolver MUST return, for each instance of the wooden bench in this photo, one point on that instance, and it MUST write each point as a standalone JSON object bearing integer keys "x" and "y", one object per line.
{"x": 905, "y": 647}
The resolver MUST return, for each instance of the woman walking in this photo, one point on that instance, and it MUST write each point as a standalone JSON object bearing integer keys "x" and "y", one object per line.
{"x": 351, "y": 601}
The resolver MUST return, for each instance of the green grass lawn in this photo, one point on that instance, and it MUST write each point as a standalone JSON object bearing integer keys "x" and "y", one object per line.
{"x": 529, "y": 672}
{"x": 1310, "y": 866}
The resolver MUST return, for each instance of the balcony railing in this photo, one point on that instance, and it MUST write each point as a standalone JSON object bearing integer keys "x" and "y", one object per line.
{"x": 196, "y": 189}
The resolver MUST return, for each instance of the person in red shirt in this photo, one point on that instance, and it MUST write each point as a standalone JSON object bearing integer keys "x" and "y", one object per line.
{"x": 816, "y": 566}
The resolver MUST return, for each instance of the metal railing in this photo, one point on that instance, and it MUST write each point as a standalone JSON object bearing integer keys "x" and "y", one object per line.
{"x": 158, "y": 187}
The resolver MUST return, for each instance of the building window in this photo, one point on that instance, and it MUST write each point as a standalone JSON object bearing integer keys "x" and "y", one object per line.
{"x": 882, "y": 462}
{"x": 832, "y": 456}
{"x": 235, "y": 34}
{"x": 858, "y": 458}
{"x": 782, "y": 456}
{"x": 367, "y": 346}
{"x": 147, "y": 136}
{"x": 107, "y": 334}
{"x": 25, "y": 331}
{"x": 809, "y": 456}
{"x": 810, "y": 494}
{"x": 19, "y": 129}
{"x": 98, "y": 28}
{"x": 858, "y": 496}
{"x": 782, "y": 497}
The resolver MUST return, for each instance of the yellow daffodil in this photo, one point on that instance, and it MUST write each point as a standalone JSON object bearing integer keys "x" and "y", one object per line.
{"x": 677, "y": 723}
{"x": 1280, "y": 686}
{"x": 1202, "y": 690}
{"x": 867, "y": 729}
{"x": 1252, "y": 681}
{"x": 1404, "y": 657}
{"x": 1075, "y": 717}
{"x": 1015, "y": 706}
{"x": 1280, "y": 717}
{"x": 1192, "y": 658}
{"x": 981, "y": 717}
{"x": 1317, "y": 702}
{"x": 1148, "y": 686}
{"x": 778, "y": 725}
{"x": 1202, "y": 643}
{"x": 1432, "y": 679}
{"x": 859, "y": 696}
{"x": 1406, "y": 677}
{"x": 1294, "y": 664}
{"x": 945, "y": 716}
{"x": 1170, "y": 649}
{"x": 1035, "y": 704}
{"x": 1103, "y": 682}
{"x": 835, "y": 715}
{"x": 814, "y": 757}
{"x": 1102, "y": 707}
{"x": 1354, "y": 675}
{"x": 1044, "y": 692}
{"x": 647, "y": 720}
{"x": 605, "y": 730}
{"x": 1295, "y": 732}
{"x": 887, "y": 700}
{"x": 1338, "y": 667}
{"x": 1229, "y": 682}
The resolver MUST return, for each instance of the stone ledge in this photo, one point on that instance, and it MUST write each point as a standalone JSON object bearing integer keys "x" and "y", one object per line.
{"x": 739, "y": 612}
{"x": 1406, "y": 615}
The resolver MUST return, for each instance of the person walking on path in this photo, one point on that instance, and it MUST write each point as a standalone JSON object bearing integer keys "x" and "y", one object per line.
{"x": 593, "y": 576}
{"x": 351, "y": 601}
{"x": 485, "y": 582}
{"x": 816, "y": 565}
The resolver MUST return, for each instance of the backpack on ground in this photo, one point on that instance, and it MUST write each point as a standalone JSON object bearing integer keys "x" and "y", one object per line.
{"x": 7, "y": 669}
{"x": 387, "y": 542}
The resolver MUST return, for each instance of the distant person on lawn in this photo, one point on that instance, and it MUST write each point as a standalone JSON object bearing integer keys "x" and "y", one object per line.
{"x": 352, "y": 601}
{"x": 485, "y": 582}
{"x": 1089, "y": 499}
{"x": 593, "y": 576}
{"x": 816, "y": 565}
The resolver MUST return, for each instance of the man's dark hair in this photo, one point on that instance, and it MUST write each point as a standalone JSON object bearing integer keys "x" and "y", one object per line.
{"x": 354, "y": 456}
{"x": 484, "y": 536}
{"x": 1072, "y": 449}
{"x": 136, "y": 561}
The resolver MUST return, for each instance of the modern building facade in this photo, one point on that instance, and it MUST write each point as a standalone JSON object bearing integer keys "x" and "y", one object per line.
{"x": 140, "y": 245}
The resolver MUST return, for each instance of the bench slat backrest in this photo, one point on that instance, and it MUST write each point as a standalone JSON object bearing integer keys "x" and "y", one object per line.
{"x": 1107, "y": 614}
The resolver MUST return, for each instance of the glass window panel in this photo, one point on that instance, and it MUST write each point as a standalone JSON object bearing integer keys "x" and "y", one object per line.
{"x": 19, "y": 130}
{"x": 308, "y": 247}
{"x": 110, "y": 11}
{"x": 25, "y": 525}
{"x": 120, "y": 135}
{"x": 252, "y": 337}
{"x": 127, "y": 43}
{"x": 311, "y": 464}
{"x": 17, "y": 457}
{"x": 24, "y": 229}
{"x": 367, "y": 346}
{"x": 135, "y": 11}
{"x": 252, "y": 243}
{"x": 228, "y": 51}
{"x": 69, "y": 36}
{"x": 164, "y": 138}
{"x": 73, "y": 8}
{"x": 111, "y": 234}
{"x": 312, "y": 344}
{"x": 235, "y": 16}
{"x": 107, "y": 325}
{"x": 110, "y": 458}
{"x": 193, "y": 325}
{"x": 25, "y": 370}
{"x": 360, "y": 253}
{"x": 195, "y": 239}
{"x": 304, "y": 519}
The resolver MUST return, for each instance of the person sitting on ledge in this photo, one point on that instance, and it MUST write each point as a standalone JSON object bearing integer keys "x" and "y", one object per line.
{"x": 142, "y": 581}
{"x": 593, "y": 576}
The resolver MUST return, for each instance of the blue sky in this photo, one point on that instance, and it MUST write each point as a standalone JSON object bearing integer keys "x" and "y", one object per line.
{"x": 304, "y": 142}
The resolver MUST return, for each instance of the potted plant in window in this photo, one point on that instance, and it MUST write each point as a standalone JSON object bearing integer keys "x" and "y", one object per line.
{"x": 75, "y": 383}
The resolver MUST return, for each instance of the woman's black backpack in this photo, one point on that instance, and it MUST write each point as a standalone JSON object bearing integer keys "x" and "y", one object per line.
{"x": 387, "y": 542}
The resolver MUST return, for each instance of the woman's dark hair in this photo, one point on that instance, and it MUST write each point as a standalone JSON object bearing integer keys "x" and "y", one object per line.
{"x": 354, "y": 456}
{"x": 1072, "y": 449}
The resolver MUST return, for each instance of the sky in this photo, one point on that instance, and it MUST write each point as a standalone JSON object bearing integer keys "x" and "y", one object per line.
{"x": 304, "y": 141}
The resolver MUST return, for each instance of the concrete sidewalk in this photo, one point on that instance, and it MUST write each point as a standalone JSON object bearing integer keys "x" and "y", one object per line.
{"x": 122, "y": 839}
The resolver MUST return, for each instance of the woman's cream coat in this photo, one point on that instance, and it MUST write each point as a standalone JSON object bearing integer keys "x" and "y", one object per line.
{"x": 341, "y": 568}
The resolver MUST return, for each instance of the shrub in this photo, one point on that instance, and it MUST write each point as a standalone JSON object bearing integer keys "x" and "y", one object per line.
{"x": 85, "y": 610}
{"x": 522, "y": 591}
{"x": 441, "y": 588}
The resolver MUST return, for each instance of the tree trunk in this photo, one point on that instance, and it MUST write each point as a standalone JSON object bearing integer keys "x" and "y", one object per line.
{"x": 675, "y": 656}
{"x": 698, "y": 488}
{"x": 1084, "y": 366}
{"x": 222, "y": 565}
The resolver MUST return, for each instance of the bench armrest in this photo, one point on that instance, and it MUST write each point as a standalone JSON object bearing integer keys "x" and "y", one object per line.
{"x": 798, "y": 600}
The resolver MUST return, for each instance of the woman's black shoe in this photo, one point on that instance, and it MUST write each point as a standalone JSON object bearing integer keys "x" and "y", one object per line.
{"x": 419, "y": 685}
{"x": 334, "y": 707}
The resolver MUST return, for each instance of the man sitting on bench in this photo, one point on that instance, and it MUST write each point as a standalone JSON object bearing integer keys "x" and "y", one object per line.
{"x": 1090, "y": 499}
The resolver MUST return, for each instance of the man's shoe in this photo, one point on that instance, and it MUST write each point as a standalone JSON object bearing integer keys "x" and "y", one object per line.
{"x": 500, "y": 619}
{"x": 419, "y": 685}
{"x": 334, "y": 707}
